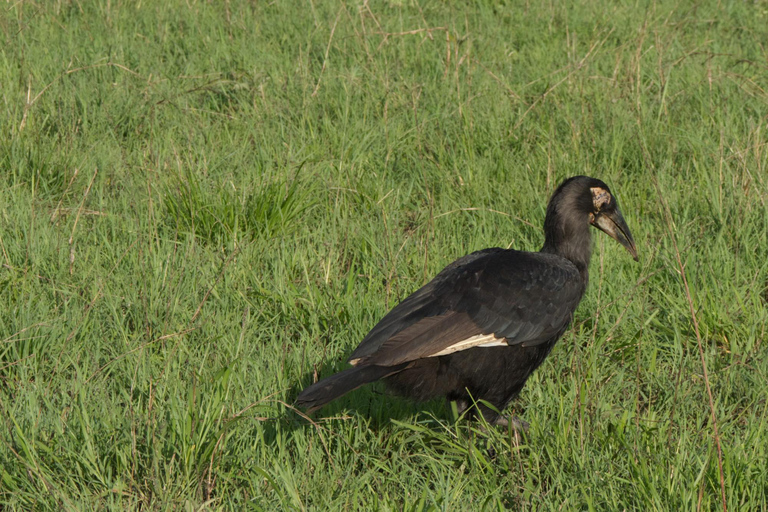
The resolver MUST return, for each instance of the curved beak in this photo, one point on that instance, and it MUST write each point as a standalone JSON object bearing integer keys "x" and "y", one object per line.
{"x": 613, "y": 224}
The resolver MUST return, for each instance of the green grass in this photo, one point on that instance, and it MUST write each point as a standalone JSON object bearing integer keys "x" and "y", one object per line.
{"x": 204, "y": 203}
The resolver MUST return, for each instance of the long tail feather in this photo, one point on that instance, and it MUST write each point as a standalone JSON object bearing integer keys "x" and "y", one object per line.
{"x": 331, "y": 388}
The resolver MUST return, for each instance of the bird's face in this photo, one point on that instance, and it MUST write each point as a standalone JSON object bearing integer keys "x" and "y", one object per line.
{"x": 606, "y": 217}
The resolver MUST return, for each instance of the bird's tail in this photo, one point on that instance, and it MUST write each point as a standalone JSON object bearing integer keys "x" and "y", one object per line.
{"x": 331, "y": 388}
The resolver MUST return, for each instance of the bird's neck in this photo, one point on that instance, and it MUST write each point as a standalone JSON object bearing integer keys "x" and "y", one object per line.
{"x": 571, "y": 239}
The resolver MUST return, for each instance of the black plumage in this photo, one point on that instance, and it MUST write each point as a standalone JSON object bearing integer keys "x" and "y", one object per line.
{"x": 481, "y": 327}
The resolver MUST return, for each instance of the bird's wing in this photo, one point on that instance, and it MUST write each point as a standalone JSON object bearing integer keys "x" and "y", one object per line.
{"x": 419, "y": 305}
{"x": 492, "y": 298}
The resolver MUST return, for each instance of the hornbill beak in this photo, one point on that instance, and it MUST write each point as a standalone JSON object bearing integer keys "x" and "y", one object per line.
{"x": 613, "y": 224}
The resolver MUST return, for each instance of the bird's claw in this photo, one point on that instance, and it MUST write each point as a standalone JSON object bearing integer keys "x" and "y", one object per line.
{"x": 520, "y": 425}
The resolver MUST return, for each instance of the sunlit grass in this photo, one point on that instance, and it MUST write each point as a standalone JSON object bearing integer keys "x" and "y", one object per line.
{"x": 206, "y": 205}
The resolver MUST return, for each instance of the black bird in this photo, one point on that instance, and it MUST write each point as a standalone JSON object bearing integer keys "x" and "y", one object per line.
{"x": 481, "y": 327}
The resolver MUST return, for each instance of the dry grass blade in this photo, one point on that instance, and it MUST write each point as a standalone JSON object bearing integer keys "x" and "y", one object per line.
{"x": 694, "y": 319}
{"x": 327, "y": 50}
{"x": 210, "y": 276}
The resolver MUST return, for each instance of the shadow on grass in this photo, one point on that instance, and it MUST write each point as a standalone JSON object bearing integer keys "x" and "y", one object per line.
{"x": 380, "y": 407}
{"x": 373, "y": 401}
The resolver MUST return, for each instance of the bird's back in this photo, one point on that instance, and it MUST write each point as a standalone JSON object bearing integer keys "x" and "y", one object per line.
{"x": 521, "y": 297}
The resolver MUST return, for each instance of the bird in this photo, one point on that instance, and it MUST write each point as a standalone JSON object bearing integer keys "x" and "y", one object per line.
{"x": 478, "y": 330}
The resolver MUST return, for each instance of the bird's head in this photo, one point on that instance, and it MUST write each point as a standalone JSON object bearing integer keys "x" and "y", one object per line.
{"x": 606, "y": 216}
{"x": 585, "y": 197}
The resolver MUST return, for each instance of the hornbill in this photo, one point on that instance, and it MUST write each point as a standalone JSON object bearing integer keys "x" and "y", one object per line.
{"x": 479, "y": 329}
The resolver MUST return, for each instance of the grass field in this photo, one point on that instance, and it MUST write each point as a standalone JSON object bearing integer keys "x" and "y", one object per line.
{"x": 205, "y": 205}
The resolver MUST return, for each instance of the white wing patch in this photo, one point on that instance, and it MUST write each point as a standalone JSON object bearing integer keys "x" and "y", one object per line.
{"x": 481, "y": 340}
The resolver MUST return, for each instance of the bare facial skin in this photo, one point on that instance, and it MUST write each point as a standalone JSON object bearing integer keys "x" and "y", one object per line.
{"x": 600, "y": 197}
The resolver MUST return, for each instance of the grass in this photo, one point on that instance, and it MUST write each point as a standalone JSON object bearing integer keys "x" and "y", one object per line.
{"x": 203, "y": 205}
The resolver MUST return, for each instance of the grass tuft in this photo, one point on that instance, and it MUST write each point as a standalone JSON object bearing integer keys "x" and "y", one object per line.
{"x": 205, "y": 206}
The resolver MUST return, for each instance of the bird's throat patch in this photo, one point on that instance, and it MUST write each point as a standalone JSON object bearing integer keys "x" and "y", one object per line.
{"x": 600, "y": 197}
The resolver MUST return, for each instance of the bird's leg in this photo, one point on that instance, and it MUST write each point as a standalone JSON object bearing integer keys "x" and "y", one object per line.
{"x": 491, "y": 416}
{"x": 462, "y": 406}
{"x": 520, "y": 425}
{"x": 500, "y": 421}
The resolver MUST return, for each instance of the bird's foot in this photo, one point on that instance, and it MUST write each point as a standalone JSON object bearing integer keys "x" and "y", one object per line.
{"x": 520, "y": 425}
{"x": 493, "y": 417}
